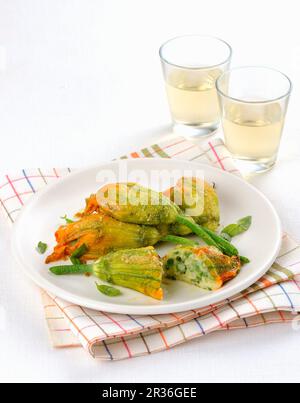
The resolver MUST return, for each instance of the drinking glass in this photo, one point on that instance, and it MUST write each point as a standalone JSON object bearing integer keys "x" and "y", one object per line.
{"x": 191, "y": 65}
{"x": 253, "y": 103}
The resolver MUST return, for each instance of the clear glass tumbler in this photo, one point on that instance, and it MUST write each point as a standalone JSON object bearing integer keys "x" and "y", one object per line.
{"x": 253, "y": 102}
{"x": 191, "y": 66}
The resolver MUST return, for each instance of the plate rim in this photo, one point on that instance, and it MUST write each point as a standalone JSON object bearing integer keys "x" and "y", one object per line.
{"x": 209, "y": 299}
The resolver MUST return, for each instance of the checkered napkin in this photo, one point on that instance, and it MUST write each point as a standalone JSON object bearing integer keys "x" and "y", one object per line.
{"x": 274, "y": 298}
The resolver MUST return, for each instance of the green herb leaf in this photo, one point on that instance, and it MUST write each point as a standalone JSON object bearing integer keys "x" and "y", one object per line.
{"x": 236, "y": 229}
{"x": 42, "y": 247}
{"x": 108, "y": 290}
{"x": 68, "y": 221}
{"x": 78, "y": 253}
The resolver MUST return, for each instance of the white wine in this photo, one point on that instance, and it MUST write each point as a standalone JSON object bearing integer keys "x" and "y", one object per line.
{"x": 253, "y": 102}
{"x": 193, "y": 98}
{"x": 253, "y": 132}
{"x": 191, "y": 66}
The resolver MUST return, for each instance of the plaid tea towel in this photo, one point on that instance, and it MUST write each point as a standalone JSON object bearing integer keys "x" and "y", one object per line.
{"x": 273, "y": 299}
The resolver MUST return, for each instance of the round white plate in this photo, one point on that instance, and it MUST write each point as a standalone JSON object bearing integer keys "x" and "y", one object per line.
{"x": 41, "y": 218}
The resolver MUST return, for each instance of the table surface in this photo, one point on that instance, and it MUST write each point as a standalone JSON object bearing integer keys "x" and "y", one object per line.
{"x": 80, "y": 82}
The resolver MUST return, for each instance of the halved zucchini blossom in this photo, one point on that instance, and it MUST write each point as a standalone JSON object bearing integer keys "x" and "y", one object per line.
{"x": 205, "y": 267}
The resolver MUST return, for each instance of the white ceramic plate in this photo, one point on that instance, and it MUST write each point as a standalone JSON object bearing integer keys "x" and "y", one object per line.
{"x": 40, "y": 219}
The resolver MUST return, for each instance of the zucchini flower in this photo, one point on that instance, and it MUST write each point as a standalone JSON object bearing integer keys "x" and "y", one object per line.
{"x": 132, "y": 203}
{"x": 92, "y": 206}
{"x": 199, "y": 199}
{"x": 137, "y": 269}
{"x": 197, "y": 211}
{"x": 101, "y": 234}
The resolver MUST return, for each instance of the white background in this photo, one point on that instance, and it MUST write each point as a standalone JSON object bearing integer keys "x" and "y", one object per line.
{"x": 80, "y": 82}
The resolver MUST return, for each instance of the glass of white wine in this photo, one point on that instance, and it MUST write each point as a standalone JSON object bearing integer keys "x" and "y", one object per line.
{"x": 191, "y": 66}
{"x": 253, "y": 103}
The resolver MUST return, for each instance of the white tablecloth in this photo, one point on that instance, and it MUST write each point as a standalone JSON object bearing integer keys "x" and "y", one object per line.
{"x": 80, "y": 82}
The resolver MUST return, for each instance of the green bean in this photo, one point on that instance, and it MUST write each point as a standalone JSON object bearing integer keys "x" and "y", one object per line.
{"x": 78, "y": 253}
{"x": 179, "y": 240}
{"x": 198, "y": 230}
{"x": 244, "y": 259}
{"x": 225, "y": 246}
{"x": 72, "y": 269}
